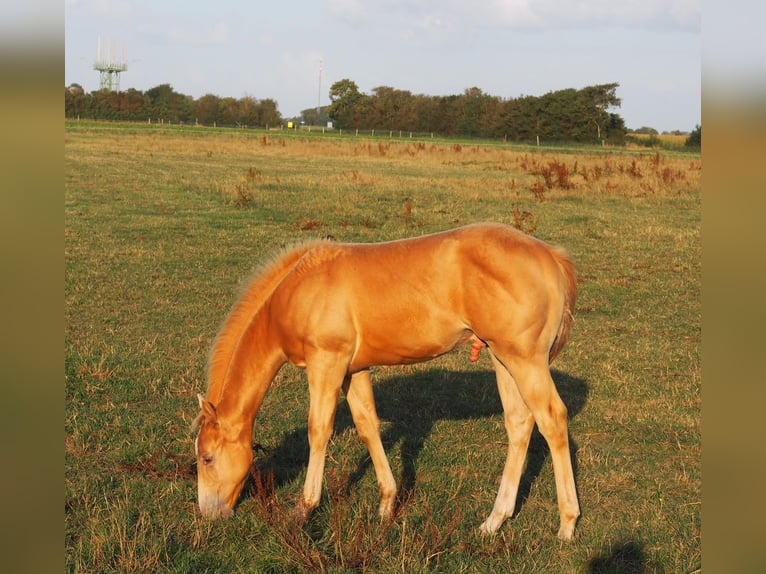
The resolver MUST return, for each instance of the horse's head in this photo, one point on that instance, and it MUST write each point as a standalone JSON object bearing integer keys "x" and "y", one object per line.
{"x": 224, "y": 456}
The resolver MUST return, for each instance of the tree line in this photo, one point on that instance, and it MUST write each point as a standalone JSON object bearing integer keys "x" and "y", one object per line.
{"x": 565, "y": 115}
{"x": 163, "y": 104}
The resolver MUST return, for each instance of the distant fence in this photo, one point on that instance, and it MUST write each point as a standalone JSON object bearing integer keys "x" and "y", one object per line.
{"x": 669, "y": 144}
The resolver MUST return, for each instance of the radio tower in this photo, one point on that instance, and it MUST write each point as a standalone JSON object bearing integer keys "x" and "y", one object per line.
{"x": 109, "y": 69}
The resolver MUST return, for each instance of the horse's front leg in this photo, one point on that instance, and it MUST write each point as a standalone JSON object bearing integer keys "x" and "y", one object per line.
{"x": 324, "y": 388}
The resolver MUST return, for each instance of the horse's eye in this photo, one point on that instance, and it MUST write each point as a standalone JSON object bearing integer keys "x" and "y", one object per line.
{"x": 206, "y": 459}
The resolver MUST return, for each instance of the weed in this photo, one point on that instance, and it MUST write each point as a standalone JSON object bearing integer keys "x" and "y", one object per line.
{"x": 368, "y": 223}
{"x": 539, "y": 188}
{"x": 524, "y": 221}
{"x": 308, "y": 225}
{"x": 243, "y": 195}
{"x": 408, "y": 212}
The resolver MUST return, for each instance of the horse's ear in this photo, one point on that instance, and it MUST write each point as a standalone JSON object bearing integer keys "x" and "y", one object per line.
{"x": 208, "y": 412}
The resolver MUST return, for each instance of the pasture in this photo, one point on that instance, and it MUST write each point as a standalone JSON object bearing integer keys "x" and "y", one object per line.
{"x": 162, "y": 226}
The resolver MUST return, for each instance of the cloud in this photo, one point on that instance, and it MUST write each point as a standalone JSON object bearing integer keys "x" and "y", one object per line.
{"x": 627, "y": 13}
{"x": 216, "y": 34}
{"x": 116, "y": 9}
{"x": 519, "y": 14}
{"x": 354, "y": 11}
{"x": 264, "y": 39}
{"x": 541, "y": 14}
{"x": 510, "y": 13}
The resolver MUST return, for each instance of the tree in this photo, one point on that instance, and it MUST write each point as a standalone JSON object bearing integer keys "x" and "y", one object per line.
{"x": 391, "y": 109}
{"x": 228, "y": 111}
{"x": 595, "y": 105}
{"x": 471, "y": 106}
{"x": 560, "y": 116}
{"x": 344, "y": 97}
{"x": 160, "y": 99}
{"x": 312, "y": 118}
{"x": 447, "y": 115}
{"x": 268, "y": 113}
{"x": 425, "y": 110}
{"x": 205, "y": 109}
{"x": 165, "y": 103}
{"x": 528, "y": 118}
{"x": 76, "y": 102}
{"x": 131, "y": 105}
{"x": 695, "y": 138}
{"x": 616, "y": 129}
{"x": 101, "y": 105}
{"x": 249, "y": 109}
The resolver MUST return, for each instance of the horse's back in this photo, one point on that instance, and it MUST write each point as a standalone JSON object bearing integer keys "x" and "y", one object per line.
{"x": 414, "y": 299}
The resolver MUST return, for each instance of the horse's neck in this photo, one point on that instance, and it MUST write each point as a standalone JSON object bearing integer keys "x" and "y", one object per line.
{"x": 253, "y": 367}
{"x": 246, "y": 355}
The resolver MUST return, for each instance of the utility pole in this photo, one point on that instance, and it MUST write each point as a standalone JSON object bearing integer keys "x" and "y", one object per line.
{"x": 319, "y": 90}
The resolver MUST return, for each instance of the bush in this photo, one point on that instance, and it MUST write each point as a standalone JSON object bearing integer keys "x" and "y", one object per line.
{"x": 695, "y": 138}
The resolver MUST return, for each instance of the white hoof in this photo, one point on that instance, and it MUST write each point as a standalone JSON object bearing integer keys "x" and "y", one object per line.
{"x": 490, "y": 526}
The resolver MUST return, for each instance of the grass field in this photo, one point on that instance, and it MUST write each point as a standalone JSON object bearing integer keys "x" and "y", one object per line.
{"x": 668, "y": 142}
{"x": 162, "y": 226}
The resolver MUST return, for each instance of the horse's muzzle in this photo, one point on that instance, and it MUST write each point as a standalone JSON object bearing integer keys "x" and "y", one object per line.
{"x": 212, "y": 507}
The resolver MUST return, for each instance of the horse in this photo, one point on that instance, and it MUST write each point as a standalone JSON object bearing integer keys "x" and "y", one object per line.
{"x": 336, "y": 309}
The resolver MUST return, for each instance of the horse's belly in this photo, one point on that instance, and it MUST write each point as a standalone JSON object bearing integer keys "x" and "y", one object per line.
{"x": 404, "y": 349}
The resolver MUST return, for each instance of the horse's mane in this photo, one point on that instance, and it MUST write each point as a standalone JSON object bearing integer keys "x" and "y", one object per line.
{"x": 257, "y": 290}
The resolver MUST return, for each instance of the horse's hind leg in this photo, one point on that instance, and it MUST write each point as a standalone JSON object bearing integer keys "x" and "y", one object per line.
{"x": 534, "y": 382}
{"x": 518, "y": 424}
{"x": 362, "y": 404}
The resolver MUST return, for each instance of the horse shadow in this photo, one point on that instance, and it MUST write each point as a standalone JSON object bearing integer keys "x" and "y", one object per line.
{"x": 623, "y": 557}
{"x": 409, "y": 406}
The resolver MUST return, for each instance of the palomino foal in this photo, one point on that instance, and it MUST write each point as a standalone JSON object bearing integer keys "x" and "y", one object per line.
{"x": 337, "y": 309}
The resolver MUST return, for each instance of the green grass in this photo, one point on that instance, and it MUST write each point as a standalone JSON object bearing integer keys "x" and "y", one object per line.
{"x": 162, "y": 226}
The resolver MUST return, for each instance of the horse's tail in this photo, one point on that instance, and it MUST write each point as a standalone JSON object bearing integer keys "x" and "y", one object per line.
{"x": 566, "y": 267}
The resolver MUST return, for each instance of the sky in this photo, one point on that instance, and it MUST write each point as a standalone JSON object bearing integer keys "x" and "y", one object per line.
{"x": 507, "y": 48}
